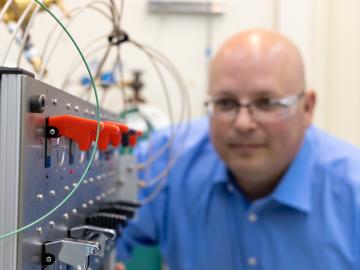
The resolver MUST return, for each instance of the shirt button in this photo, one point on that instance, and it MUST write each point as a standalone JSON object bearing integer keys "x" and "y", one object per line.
{"x": 252, "y": 217}
{"x": 230, "y": 188}
{"x": 251, "y": 261}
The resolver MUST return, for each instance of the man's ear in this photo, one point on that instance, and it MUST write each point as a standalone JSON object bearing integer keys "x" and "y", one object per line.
{"x": 309, "y": 106}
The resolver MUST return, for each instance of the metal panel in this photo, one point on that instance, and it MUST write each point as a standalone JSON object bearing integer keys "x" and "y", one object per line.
{"x": 29, "y": 189}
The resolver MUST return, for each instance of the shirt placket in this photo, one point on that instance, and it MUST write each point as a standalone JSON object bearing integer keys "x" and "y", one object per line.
{"x": 251, "y": 235}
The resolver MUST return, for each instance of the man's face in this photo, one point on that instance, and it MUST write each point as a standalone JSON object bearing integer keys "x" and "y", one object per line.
{"x": 254, "y": 149}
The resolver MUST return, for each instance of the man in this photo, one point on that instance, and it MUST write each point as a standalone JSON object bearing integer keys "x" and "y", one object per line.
{"x": 258, "y": 187}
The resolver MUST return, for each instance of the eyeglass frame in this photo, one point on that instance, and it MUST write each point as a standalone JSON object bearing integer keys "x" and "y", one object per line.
{"x": 284, "y": 102}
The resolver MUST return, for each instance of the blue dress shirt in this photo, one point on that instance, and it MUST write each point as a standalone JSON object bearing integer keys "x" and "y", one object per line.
{"x": 202, "y": 221}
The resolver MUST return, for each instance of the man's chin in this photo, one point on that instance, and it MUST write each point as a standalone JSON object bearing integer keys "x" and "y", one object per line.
{"x": 246, "y": 167}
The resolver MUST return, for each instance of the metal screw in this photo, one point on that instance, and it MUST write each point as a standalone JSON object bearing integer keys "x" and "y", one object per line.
{"x": 51, "y": 224}
{"x": 74, "y": 185}
{"x": 98, "y": 198}
{"x": 66, "y": 216}
{"x": 76, "y": 108}
{"x": 85, "y": 182}
{"x": 54, "y": 101}
{"x": 84, "y": 205}
{"x": 52, "y": 193}
{"x": 40, "y": 197}
{"x": 48, "y": 259}
{"x": 91, "y": 202}
{"x": 74, "y": 211}
{"x": 66, "y": 188}
{"x": 68, "y": 106}
{"x": 86, "y": 111}
{"x": 129, "y": 168}
{"x": 91, "y": 179}
{"x": 52, "y": 132}
{"x": 39, "y": 231}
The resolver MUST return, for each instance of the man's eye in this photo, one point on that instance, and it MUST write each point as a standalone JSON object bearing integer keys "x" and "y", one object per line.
{"x": 226, "y": 104}
{"x": 265, "y": 104}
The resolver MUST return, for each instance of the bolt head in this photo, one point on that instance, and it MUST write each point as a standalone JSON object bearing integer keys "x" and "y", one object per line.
{"x": 52, "y": 132}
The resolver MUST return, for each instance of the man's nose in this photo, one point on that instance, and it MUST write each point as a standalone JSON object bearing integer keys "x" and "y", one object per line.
{"x": 244, "y": 121}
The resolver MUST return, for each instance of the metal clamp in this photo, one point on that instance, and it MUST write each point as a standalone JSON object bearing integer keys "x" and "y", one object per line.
{"x": 72, "y": 252}
{"x": 94, "y": 233}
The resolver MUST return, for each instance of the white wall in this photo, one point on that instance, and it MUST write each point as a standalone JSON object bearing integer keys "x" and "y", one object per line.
{"x": 343, "y": 78}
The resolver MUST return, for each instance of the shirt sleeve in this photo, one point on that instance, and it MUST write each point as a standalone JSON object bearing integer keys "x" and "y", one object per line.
{"x": 149, "y": 220}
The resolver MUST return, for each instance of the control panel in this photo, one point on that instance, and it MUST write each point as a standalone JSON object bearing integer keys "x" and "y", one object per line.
{"x": 47, "y": 139}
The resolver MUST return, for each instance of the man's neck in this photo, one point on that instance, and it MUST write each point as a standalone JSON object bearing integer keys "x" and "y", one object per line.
{"x": 254, "y": 188}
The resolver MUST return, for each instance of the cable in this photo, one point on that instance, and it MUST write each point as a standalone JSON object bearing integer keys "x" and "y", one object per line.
{"x": 26, "y": 34}
{"x": 89, "y": 6}
{"x": 3, "y": 236}
{"x": 100, "y": 66}
{"x": 156, "y": 155}
{"x": 75, "y": 62}
{"x": 119, "y": 66}
{"x": 121, "y": 11}
{"x": 160, "y": 178}
{"x": 173, "y": 71}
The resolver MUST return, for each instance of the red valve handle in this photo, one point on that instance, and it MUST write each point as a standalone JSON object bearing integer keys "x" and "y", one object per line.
{"x": 114, "y": 139}
{"x": 79, "y": 129}
{"x": 83, "y": 131}
{"x": 110, "y": 132}
{"x": 134, "y": 135}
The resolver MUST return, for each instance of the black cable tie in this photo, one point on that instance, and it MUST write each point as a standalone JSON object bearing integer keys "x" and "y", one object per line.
{"x": 117, "y": 37}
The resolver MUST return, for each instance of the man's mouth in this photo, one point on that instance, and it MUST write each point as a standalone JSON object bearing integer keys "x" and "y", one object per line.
{"x": 246, "y": 146}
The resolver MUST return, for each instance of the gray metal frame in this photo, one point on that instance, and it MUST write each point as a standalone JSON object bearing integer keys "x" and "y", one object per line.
{"x": 10, "y": 111}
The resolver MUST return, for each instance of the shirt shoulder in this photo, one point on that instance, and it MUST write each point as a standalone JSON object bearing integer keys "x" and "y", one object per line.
{"x": 337, "y": 160}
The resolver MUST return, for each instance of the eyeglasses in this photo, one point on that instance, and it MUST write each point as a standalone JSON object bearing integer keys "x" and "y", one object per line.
{"x": 261, "y": 109}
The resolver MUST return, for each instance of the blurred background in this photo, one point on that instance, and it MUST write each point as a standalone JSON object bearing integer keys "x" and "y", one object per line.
{"x": 327, "y": 32}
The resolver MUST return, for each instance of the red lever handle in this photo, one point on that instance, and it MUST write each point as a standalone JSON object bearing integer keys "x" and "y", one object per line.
{"x": 76, "y": 128}
{"x": 83, "y": 131}
{"x": 133, "y": 136}
{"x": 115, "y": 140}
{"x": 110, "y": 132}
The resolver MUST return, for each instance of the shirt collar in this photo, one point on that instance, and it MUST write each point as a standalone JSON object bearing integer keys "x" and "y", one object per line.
{"x": 294, "y": 189}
